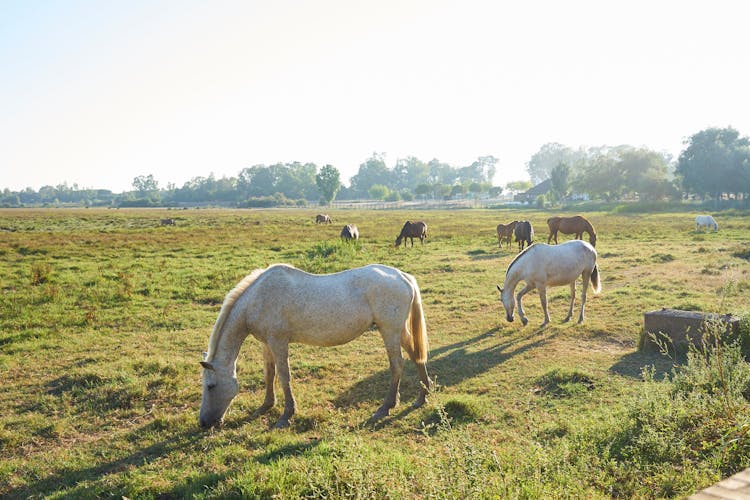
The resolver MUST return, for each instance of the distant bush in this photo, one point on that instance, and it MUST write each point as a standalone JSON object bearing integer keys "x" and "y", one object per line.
{"x": 277, "y": 200}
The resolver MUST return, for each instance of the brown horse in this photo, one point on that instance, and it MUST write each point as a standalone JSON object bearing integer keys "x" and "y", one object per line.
{"x": 412, "y": 230}
{"x": 571, "y": 225}
{"x": 505, "y": 233}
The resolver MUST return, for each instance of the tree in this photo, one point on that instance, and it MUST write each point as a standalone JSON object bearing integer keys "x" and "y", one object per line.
{"x": 423, "y": 190}
{"x": 410, "y": 172}
{"x": 600, "y": 178}
{"x": 328, "y": 181}
{"x": 644, "y": 172}
{"x": 715, "y": 161}
{"x": 145, "y": 184}
{"x": 548, "y": 157}
{"x": 560, "y": 179}
{"x": 378, "y": 192}
{"x": 372, "y": 171}
{"x": 476, "y": 188}
{"x": 458, "y": 190}
{"x": 441, "y": 173}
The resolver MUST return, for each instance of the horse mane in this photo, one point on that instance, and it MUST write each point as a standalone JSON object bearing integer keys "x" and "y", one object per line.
{"x": 517, "y": 257}
{"x": 226, "y": 308}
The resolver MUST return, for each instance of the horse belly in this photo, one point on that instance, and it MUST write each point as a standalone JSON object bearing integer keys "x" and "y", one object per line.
{"x": 329, "y": 331}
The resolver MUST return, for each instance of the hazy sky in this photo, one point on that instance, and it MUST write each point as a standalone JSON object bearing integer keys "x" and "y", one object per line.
{"x": 98, "y": 92}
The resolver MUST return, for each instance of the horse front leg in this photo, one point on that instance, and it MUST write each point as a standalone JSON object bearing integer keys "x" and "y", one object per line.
{"x": 572, "y": 301}
{"x": 280, "y": 351}
{"x": 519, "y": 297}
{"x": 269, "y": 372}
{"x": 396, "y": 362}
{"x": 543, "y": 300}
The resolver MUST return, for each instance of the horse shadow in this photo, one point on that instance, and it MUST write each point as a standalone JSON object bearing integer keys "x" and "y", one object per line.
{"x": 76, "y": 480}
{"x": 632, "y": 365}
{"x": 449, "y": 365}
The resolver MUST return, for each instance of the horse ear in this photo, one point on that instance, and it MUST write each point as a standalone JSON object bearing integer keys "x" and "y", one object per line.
{"x": 207, "y": 365}
{"x": 499, "y": 289}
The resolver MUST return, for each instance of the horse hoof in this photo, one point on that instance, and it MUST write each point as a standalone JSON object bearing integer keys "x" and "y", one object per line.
{"x": 420, "y": 401}
{"x": 282, "y": 424}
{"x": 524, "y": 321}
{"x": 382, "y": 412}
{"x": 262, "y": 409}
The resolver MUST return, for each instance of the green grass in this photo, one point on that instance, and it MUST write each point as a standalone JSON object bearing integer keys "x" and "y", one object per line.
{"x": 104, "y": 315}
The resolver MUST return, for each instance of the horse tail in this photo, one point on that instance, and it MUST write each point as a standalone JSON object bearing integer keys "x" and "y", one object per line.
{"x": 596, "y": 282}
{"x": 414, "y": 336}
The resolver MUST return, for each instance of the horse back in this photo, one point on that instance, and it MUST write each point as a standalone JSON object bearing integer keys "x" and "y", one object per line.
{"x": 327, "y": 309}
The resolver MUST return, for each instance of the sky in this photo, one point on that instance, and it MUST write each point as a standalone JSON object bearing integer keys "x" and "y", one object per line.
{"x": 95, "y": 93}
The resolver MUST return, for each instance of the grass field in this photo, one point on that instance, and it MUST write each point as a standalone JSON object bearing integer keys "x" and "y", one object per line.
{"x": 104, "y": 315}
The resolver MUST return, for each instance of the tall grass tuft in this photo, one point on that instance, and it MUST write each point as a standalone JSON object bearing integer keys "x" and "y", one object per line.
{"x": 330, "y": 256}
{"x": 40, "y": 273}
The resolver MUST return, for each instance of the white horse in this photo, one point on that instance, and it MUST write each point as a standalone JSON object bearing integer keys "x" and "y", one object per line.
{"x": 542, "y": 265}
{"x": 282, "y": 304}
{"x": 705, "y": 221}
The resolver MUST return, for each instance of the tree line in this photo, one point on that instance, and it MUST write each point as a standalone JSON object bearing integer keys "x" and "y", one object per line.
{"x": 715, "y": 163}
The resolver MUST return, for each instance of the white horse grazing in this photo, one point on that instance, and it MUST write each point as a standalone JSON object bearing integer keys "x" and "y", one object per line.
{"x": 705, "y": 221}
{"x": 282, "y": 304}
{"x": 542, "y": 265}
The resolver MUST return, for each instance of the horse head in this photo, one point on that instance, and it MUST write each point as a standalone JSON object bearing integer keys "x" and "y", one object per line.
{"x": 509, "y": 303}
{"x": 220, "y": 386}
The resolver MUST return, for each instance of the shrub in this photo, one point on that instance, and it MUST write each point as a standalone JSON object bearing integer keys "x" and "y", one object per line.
{"x": 695, "y": 420}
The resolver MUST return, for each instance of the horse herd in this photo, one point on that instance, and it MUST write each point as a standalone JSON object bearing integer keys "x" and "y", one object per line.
{"x": 524, "y": 232}
{"x": 410, "y": 230}
{"x": 280, "y": 305}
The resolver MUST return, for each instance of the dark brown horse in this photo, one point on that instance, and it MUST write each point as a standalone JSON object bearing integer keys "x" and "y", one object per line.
{"x": 412, "y": 230}
{"x": 505, "y": 233}
{"x": 524, "y": 234}
{"x": 350, "y": 232}
{"x": 571, "y": 225}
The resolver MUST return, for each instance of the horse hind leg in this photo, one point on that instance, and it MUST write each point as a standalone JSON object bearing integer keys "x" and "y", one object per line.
{"x": 586, "y": 279}
{"x": 572, "y": 301}
{"x": 424, "y": 378}
{"x": 543, "y": 300}
{"x": 396, "y": 361}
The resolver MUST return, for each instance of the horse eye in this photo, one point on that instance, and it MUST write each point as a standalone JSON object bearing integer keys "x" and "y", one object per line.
{"x": 210, "y": 386}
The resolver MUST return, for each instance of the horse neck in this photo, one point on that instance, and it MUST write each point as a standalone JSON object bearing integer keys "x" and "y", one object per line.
{"x": 230, "y": 336}
{"x": 513, "y": 274}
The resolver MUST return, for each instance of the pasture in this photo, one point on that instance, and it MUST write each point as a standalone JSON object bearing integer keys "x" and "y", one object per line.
{"x": 104, "y": 315}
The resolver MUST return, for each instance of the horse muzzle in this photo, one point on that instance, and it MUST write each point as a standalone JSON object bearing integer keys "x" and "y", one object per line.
{"x": 509, "y": 317}
{"x": 206, "y": 423}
